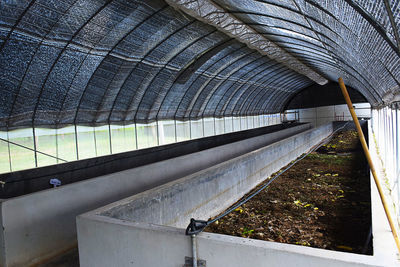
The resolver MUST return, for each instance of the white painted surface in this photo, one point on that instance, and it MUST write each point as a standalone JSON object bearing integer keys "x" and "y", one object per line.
{"x": 322, "y": 115}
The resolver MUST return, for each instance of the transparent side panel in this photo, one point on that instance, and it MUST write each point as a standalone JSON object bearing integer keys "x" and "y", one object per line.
{"x": 21, "y": 158}
{"x": 291, "y": 115}
{"x": 250, "y": 122}
{"x": 166, "y": 132}
{"x": 146, "y": 135}
{"x": 182, "y": 131}
{"x": 95, "y": 141}
{"x": 266, "y": 120}
{"x": 219, "y": 126}
{"x": 118, "y": 138}
{"x": 236, "y": 124}
{"x": 208, "y": 126}
{"x": 86, "y": 142}
{"x": 228, "y": 124}
{"x": 196, "y": 128}
{"x": 278, "y": 118}
{"x": 46, "y": 143}
{"x": 4, "y": 156}
{"x": 261, "y": 121}
{"x": 256, "y": 120}
{"x": 130, "y": 136}
{"x": 243, "y": 123}
{"x": 66, "y": 144}
{"x": 102, "y": 138}
{"x": 273, "y": 119}
{"x": 123, "y": 138}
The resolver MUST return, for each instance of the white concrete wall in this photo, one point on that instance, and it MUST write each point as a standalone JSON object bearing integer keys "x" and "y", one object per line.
{"x": 321, "y": 115}
{"x": 41, "y": 225}
{"x": 105, "y": 241}
{"x": 132, "y": 232}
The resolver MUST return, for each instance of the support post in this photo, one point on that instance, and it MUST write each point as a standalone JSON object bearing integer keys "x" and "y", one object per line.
{"x": 371, "y": 165}
{"x": 176, "y": 134}
{"x": 194, "y": 250}
{"x": 158, "y": 133}
{"x": 215, "y": 127}
{"x": 109, "y": 137}
{"x": 34, "y": 146}
{"x": 204, "y": 131}
{"x": 136, "y": 136}
{"x": 76, "y": 142}
{"x": 9, "y": 151}
{"x": 95, "y": 142}
{"x": 57, "y": 144}
{"x": 190, "y": 130}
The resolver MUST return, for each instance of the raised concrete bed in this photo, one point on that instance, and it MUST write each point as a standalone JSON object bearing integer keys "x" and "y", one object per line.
{"x": 148, "y": 229}
{"x": 38, "y": 226}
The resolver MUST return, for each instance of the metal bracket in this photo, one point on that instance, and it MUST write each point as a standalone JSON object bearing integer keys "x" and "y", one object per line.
{"x": 189, "y": 262}
{"x": 195, "y": 227}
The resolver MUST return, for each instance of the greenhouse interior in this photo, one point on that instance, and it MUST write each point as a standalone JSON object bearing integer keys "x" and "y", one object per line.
{"x": 199, "y": 133}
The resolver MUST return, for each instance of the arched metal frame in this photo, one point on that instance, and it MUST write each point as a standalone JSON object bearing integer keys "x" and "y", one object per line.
{"x": 111, "y": 61}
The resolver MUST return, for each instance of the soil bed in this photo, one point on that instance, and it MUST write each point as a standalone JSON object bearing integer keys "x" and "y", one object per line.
{"x": 323, "y": 201}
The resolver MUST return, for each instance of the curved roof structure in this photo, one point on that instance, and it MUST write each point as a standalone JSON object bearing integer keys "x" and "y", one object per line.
{"x": 119, "y": 61}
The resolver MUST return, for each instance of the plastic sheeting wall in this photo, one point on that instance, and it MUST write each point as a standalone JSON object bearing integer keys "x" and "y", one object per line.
{"x": 73, "y": 143}
{"x": 386, "y": 135}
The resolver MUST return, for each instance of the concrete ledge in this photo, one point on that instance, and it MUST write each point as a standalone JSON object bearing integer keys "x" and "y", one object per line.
{"x": 41, "y": 225}
{"x": 105, "y": 241}
{"x": 142, "y": 230}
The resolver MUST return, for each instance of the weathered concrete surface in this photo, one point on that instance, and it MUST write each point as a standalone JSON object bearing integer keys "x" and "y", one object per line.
{"x": 206, "y": 193}
{"x": 41, "y": 225}
{"x": 105, "y": 241}
{"x": 120, "y": 233}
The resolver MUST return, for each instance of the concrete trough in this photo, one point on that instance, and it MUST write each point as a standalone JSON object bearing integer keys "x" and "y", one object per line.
{"x": 38, "y": 226}
{"x": 147, "y": 229}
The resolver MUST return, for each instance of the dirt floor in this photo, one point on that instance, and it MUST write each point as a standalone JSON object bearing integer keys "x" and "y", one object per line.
{"x": 323, "y": 201}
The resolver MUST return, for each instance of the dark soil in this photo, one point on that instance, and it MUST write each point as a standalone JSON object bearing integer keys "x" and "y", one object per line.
{"x": 323, "y": 201}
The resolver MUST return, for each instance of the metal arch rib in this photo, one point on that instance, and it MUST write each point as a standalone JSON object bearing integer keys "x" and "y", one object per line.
{"x": 214, "y": 15}
{"x": 392, "y": 22}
